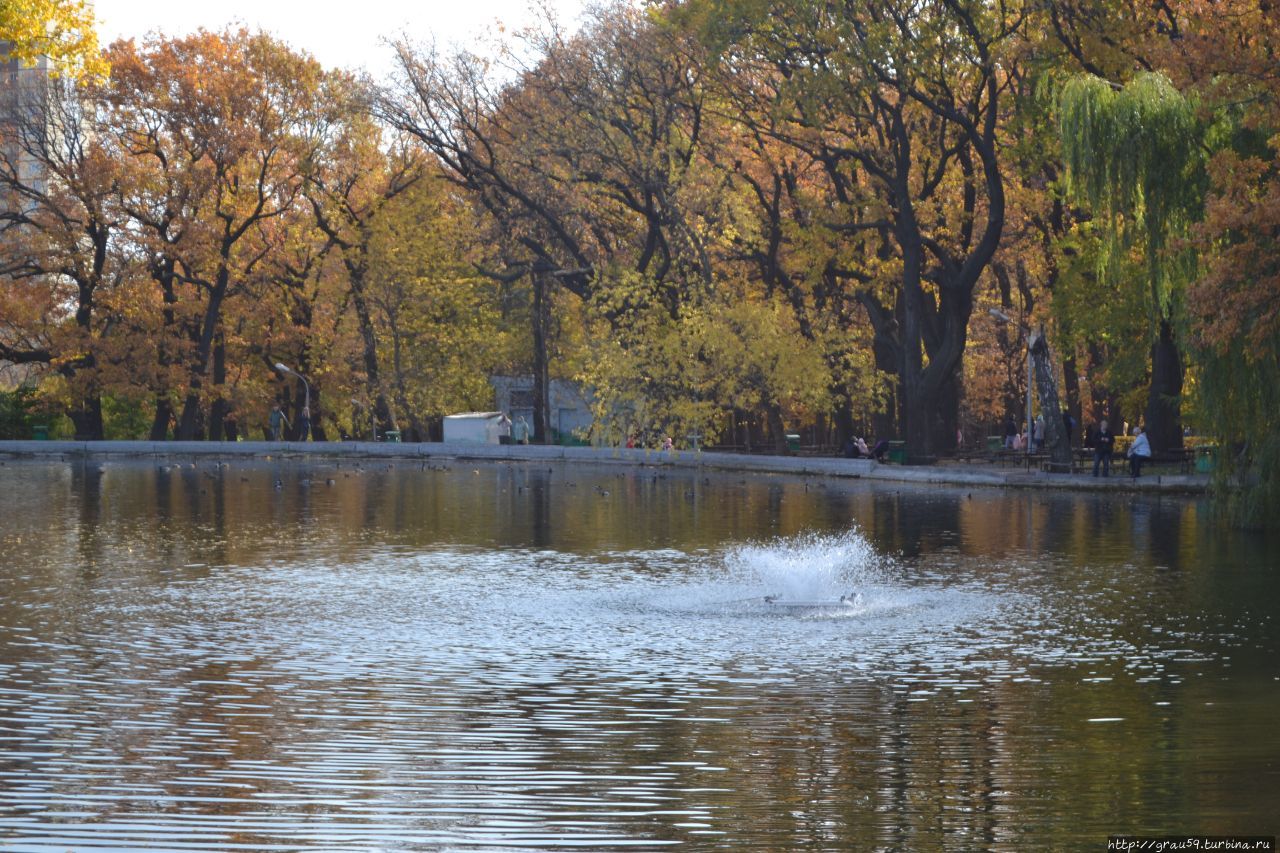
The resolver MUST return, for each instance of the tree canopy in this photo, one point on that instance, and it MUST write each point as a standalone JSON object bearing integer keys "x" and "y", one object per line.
{"x": 62, "y": 30}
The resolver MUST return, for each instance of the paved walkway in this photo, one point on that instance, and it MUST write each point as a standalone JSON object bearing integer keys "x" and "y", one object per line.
{"x": 974, "y": 474}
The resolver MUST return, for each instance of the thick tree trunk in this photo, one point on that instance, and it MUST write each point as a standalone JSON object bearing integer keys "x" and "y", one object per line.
{"x": 843, "y": 421}
{"x": 373, "y": 376}
{"x": 1055, "y": 433}
{"x": 777, "y": 429}
{"x": 219, "y": 410}
{"x": 87, "y": 419}
{"x": 1164, "y": 405}
{"x": 191, "y": 422}
{"x": 164, "y": 414}
{"x": 317, "y": 416}
{"x": 1071, "y": 383}
{"x": 946, "y": 413}
{"x": 190, "y": 425}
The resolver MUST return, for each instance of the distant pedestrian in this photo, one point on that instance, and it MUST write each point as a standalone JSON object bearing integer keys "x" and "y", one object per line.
{"x": 1039, "y": 434}
{"x": 304, "y": 424}
{"x": 1010, "y": 432}
{"x": 1069, "y": 424}
{"x": 1139, "y": 452}
{"x": 1103, "y": 444}
{"x": 520, "y": 431}
{"x": 276, "y": 421}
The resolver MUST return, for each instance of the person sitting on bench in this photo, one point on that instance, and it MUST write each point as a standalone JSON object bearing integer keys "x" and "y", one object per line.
{"x": 856, "y": 448}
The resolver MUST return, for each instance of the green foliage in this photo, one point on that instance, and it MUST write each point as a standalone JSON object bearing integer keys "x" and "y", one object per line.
{"x": 18, "y": 412}
{"x": 440, "y": 332}
{"x": 1108, "y": 313}
{"x": 1239, "y": 398}
{"x": 1135, "y": 155}
{"x": 125, "y": 418}
{"x": 655, "y": 375}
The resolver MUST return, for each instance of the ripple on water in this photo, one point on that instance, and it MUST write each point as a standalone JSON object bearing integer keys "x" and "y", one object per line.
{"x": 469, "y": 697}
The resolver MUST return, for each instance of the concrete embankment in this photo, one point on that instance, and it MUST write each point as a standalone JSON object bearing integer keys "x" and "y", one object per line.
{"x": 978, "y": 474}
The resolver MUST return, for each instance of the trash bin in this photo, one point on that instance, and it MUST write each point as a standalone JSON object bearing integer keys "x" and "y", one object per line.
{"x": 995, "y": 443}
{"x": 40, "y": 432}
{"x": 392, "y": 435}
{"x": 793, "y": 442}
{"x": 898, "y": 452}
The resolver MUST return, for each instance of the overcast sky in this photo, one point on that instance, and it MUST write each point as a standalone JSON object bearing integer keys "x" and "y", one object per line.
{"x": 338, "y": 34}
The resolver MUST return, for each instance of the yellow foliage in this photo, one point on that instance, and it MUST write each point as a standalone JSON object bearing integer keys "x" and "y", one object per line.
{"x": 62, "y": 30}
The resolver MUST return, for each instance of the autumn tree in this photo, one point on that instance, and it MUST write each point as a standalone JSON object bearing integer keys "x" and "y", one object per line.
{"x": 436, "y": 319}
{"x": 1225, "y": 58}
{"x": 59, "y": 246}
{"x": 216, "y": 129}
{"x": 61, "y": 30}
{"x": 901, "y": 104}
{"x": 783, "y": 227}
{"x": 350, "y": 182}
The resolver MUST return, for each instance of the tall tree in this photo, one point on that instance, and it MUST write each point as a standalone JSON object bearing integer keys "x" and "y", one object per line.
{"x": 347, "y": 188}
{"x": 1136, "y": 156}
{"x": 59, "y": 251}
{"x": 585, "y": 164}
{"x": 1226, "y": 57}
{"x": 218, "y": 128}
{"x": 901, "y": 103}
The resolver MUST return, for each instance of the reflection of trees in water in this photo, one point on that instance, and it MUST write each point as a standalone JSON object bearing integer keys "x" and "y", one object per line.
{"x": 86, "y": 484}
{"x": 236, "y": 513}
{"x": 913, "y": 523}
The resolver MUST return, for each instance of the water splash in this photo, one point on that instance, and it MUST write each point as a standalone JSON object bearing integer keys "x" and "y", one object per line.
{"x": 811, "y": 567}
{"x": 807, "y": 576}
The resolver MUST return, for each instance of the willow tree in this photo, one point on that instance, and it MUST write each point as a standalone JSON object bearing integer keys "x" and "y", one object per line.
{"x": 1135, "y": 155}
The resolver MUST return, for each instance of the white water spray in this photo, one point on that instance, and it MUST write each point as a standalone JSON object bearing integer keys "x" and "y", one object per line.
{"x": 812, "y": 567}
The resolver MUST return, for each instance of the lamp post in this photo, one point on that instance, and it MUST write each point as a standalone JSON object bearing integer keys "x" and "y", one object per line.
{"x": 306, "y": 404}
{"x": 1005, "y": 318}
{"x": 539, "y": 271}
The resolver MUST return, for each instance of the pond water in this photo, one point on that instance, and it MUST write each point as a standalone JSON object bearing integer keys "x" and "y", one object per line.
{"x": 281, "y": 656}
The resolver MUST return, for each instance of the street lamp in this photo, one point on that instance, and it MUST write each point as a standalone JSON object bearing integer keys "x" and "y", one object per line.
{"x": 306, "y": 404}
{"x": 1005, "y": 318}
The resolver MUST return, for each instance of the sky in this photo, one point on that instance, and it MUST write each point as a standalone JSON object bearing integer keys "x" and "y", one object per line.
{"x": 347, "y": 34}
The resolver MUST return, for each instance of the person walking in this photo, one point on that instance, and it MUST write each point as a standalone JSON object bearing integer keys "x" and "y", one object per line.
{"x": 304, "y": 424}
{"x": 1010, "y": 432}
{"x": 520, "y": 431}
{"x": 1103, "y": 444}
{"x": 275, "y": 421}
{"x": 1139, "y": 452}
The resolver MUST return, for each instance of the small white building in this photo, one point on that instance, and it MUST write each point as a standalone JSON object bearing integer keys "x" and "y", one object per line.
{"x": 476, "y": 427}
